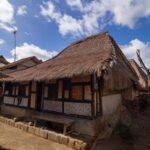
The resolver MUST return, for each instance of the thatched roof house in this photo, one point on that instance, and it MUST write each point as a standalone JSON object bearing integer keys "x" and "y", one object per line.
{"x": 98, "y": 54}
{"x": 142, "y": 77}
{"x": 86, "y": 81}
{"x": 20, "y": 64}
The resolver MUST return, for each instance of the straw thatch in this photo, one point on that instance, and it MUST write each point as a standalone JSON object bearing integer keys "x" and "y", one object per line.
{"x": 21, "y": 61}
{"x": 3, "y": 60}
{"x": 142, "y": 77}
{"x": 93, "y": 55}
{"x": 2, "y": 75}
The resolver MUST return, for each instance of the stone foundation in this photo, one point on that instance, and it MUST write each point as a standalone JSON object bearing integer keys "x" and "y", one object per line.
{"x": 49, "y": 135}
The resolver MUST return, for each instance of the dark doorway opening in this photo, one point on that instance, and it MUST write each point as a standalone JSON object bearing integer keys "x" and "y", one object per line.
{"x": 39, "y": 93}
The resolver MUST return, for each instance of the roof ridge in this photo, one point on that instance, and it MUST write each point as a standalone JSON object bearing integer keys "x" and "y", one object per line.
{"x": 89, "y": 37}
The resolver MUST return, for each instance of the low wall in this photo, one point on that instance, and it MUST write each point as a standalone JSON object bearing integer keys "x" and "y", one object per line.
{"x": 88, "y": 127}
{"x": 12, "y": 110}
{"x": 83, "y": 126}
{"x": 110, "y": 103}
{"x": 50, "y": 135}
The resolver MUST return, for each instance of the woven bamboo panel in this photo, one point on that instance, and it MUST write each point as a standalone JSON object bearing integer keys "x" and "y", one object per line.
{"x": 87, "y": 93}
{"x": 13, "y": 91}
{"x": 17, "y": 90}
{"x": 45, "y": 91}
{"x": 60, "y": 84}
{"x": 77, "y": 92}
{"x": 77, "y": 108}
{"x": 33, "y": 96}
{"x": 27, "y": 90}
{"x": 33, "y": 86}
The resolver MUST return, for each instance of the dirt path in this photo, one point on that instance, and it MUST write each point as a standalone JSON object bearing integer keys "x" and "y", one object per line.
{"x": 140, "y": 131}
{"x": 15, "y": 139}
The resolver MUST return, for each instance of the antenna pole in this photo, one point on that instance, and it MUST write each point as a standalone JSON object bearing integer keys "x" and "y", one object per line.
{"x": 15, "y": 55}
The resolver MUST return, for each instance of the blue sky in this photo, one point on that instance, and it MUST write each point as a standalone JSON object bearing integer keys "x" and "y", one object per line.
{"x": 45, "y": 27}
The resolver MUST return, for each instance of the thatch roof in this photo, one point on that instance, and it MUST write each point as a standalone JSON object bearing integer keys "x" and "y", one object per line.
{"x": 21, "y": 61}
{"x": 142, "y": 77}
{"x": 92, "y": 55}
{"x": 3, "y": 60}
{"x": 2, "y": 75}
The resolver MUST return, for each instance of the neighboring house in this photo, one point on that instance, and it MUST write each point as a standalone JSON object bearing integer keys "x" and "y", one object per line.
{"x": 3, "y": 61}
{"x": 85, "y": 82}
{"x": 142, "y": 77}
{"x": 20, "y": 64}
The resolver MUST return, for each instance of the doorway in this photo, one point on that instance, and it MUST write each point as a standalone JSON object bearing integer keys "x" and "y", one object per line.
{"x": 39, "y": 95}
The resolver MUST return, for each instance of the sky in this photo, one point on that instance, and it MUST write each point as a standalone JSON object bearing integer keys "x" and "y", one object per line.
{"x": 45, "y": 27}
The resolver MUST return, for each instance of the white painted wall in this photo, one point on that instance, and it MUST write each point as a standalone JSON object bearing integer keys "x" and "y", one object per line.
{"x": 110, "y": 103}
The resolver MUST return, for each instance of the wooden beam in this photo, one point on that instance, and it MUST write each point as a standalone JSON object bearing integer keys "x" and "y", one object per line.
{"x": 29, "y": 94}
{"x": 92, "y": 95}
{"x": 100, "y": 90}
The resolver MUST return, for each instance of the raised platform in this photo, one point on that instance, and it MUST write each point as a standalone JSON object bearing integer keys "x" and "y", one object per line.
{"x": 66, "y": 122}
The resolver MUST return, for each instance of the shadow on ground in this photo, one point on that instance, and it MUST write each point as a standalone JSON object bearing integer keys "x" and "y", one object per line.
{"x": 2, "y": 148}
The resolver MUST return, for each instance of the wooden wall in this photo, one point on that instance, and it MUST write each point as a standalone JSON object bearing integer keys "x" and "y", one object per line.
{"x": 33, "y": 95}
{"x": 79, "y": 96}
{"x": 80, "y": 99}
{"x": 13, "y": 98}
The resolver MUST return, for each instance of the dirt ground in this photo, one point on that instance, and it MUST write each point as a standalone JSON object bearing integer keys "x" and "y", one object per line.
{"x": 139, "y": 138}
{"x": 15, "y": 139}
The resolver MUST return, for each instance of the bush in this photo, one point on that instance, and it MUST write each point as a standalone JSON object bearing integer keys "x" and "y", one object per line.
{"x": 122, "y": 130}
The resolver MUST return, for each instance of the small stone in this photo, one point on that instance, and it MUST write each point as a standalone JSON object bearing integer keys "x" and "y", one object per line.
{"x": 71, "y": 143}
{"x": 52, "y": 136}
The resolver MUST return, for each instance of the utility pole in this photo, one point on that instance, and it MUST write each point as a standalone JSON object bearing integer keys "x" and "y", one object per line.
{"x": 15, "y": 53}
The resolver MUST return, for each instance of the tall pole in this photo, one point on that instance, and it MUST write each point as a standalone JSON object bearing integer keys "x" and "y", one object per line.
{"x": 15, "y": 55}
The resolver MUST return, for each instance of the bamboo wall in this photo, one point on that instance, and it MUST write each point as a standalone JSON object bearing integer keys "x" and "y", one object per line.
{"x": 33, "y": 94}
{"x": 75, "y": 104}
{"x": 14, "y": 98}
{"x": 82, "y": 98}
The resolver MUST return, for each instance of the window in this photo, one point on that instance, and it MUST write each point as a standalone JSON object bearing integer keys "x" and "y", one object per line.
{"x": 66, "y": 88}
{"x": 81, "y": 91}
{"x": 66, "y": 84}
{"x": 52, "y": 91}
{"x": 22, "y": 90}
{"x": 8, "y": 88}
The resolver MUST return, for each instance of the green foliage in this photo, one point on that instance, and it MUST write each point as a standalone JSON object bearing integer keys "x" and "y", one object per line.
{"x": 122, "y": 130}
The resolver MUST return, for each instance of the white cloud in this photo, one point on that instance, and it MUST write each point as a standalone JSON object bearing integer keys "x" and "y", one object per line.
{"x": 95, "y": 14}
{"x": 68, "y": 24}
{"x": 6, "y": 16}
{"x": 6, "y": 11}
{"x": 28, "y": 33}
{"x": 8, "y": 27}
{"x": 130, "y": 50}
{"x": 27, "y": 50}
{"x": 2, "y": 41}
{"x": 22, "y": 10}
{"x": 75, "y": 3}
